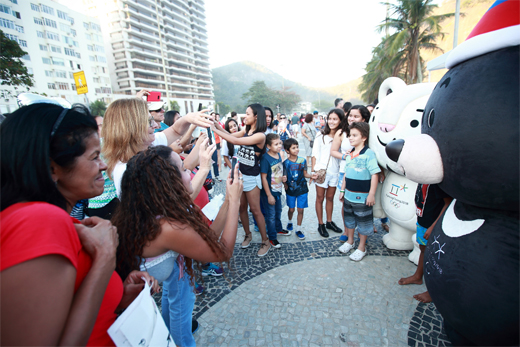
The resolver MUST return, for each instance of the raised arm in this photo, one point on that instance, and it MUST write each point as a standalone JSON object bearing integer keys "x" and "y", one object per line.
{"x": 184, "y": 240}
{"x": 181, "y": 126}
{"x": 336, "y": 144}
{"x": 187, "y": 137}
{"x": 256, "y": 139}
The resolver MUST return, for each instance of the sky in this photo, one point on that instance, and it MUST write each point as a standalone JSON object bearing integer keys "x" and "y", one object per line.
{"x": 319, "y": 43}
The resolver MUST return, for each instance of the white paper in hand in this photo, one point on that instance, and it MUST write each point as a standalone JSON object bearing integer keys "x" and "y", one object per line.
{"x": 213, "y": 207}
{"x": 141, "y": 324}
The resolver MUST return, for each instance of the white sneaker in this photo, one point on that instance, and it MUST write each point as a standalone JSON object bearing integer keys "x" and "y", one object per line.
{"x": 346, "y": 247}
{"x": 357, "y": 255}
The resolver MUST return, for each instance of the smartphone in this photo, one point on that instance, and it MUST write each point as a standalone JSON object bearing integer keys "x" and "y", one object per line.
{"x": 209, "y": 136}
{"x": 200, "y": 106}
{"x": 154, "y": 96}
{"x": 233, "y": 164}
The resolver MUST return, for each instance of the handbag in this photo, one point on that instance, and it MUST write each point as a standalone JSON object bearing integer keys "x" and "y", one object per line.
{"x": 322, "y": 173}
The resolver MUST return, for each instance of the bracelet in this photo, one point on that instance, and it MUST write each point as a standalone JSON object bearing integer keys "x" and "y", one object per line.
{"x": 342, "y": 191}
{"x": 343, "y": 157}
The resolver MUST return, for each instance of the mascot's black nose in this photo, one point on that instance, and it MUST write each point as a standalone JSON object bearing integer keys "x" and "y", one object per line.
{"x": 394, "y": 148}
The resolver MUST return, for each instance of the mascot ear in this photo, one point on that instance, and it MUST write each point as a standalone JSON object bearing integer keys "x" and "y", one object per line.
{"x": 390, "y": 85}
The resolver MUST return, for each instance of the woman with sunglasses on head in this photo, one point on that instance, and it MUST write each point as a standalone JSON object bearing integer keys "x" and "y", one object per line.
{"x": 58, "y": 284}
{"x": 252, "y": 146}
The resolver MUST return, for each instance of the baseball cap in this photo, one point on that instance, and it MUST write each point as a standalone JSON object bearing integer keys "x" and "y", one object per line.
{"x": 315, "y": 112}
{"x": 152, "y": 106}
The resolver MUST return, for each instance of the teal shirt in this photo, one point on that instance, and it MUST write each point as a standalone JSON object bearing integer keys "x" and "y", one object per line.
{"x": 163, "y": 127}
{"x": 358, "y": 175}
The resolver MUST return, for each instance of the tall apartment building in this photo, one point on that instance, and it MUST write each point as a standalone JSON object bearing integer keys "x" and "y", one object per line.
{"x": 58, "y": 42}
{"x": 159, "y": 45}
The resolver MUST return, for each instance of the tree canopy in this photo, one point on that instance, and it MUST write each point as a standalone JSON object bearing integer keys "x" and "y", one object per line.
{"x": 13, "y": 71}
{"x": 414, "y": 28}
{"x": 260, "y": 93}
{"x": 98, "y": 108}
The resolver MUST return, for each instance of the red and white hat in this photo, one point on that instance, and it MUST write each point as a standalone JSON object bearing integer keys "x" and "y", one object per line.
{"x": 498, "y": 28}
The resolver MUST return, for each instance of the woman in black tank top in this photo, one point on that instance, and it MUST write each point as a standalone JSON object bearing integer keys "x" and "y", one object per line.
{"x": 252, "y": 146}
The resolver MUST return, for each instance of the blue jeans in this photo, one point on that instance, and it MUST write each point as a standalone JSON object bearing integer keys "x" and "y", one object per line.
{"x": 178, "y": 300}
{"x": 272, "y": 215}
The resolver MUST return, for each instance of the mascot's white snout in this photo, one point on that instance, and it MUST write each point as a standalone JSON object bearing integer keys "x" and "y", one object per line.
{"x": 408, "y": 155}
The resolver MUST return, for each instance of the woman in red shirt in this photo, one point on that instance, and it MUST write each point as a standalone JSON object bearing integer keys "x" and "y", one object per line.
{"x": 58, "y": 284}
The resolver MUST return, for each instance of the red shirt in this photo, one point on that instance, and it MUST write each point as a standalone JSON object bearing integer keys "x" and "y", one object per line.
{"x": 35, "y": 229}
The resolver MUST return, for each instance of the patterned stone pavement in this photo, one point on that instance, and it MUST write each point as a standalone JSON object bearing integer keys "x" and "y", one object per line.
{"x": 309, "y": 294}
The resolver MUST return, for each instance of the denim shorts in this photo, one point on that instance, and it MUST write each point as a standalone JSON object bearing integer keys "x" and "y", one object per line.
{"x": 420, "y": 235}
{"x": 250, "y": 182}
{"x": 300, "y": 201}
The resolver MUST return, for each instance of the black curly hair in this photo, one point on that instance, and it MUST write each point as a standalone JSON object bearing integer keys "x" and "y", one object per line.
{"x": 151, "y": 191}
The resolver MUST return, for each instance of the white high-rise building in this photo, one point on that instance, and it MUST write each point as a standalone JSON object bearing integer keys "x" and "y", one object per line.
{"x": 160, "y": 45}
{"x": 58, "y": 42}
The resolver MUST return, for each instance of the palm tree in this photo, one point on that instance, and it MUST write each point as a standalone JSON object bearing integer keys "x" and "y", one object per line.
{"x": 98, "y": 108}
{"x": 380, "y": 67}
{"x": 415, "y": 28}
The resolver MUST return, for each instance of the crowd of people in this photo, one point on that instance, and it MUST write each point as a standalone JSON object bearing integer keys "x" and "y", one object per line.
{"x": 87, "y": 202}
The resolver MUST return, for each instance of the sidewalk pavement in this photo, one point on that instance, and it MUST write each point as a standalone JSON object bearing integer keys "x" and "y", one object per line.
{"x": 308, "y": 294}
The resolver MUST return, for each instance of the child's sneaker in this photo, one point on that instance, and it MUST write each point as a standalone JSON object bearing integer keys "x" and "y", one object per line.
{"x": 212, "y": 270}
{"x": 275, "y": 243}
{"x": 289, "y": 226}
{"x": 300, "y": 235}
{"x": 284, "y": 232}
{"x": 357, "y": 255}
{"x": 198, "y": 289}
{"x": 343, "y": 238}
{"x": 346, "y": 247}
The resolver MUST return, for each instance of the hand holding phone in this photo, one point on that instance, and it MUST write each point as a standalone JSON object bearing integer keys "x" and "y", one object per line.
{"x": 233, "y": 164}
{"x": 209, "y": 136}
{"x": 153, "y": 97}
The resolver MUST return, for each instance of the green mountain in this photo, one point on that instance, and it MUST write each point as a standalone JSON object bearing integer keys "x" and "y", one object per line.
{"x": 233, "y": 80}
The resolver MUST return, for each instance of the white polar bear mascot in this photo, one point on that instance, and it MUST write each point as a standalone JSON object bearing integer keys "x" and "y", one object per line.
{"x": 398, "y": 115}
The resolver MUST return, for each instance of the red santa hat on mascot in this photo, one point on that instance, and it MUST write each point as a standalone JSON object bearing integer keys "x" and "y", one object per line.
{"x": 498, "y": 28}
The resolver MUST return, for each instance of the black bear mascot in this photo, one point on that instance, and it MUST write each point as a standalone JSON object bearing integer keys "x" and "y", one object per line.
{"x": 470, "y": 146}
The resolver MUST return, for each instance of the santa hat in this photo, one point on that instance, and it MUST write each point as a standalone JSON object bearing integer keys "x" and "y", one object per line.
{"x": 498, "y": 28}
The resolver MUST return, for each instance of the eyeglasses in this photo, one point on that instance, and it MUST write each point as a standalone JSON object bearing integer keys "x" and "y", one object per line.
{"x": 151, "y": 122}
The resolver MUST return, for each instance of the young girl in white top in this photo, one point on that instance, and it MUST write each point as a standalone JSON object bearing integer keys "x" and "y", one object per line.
{"x": 341, "y": 146}
{"x": 321, "y": 159}
{"x": 228, "y": 149}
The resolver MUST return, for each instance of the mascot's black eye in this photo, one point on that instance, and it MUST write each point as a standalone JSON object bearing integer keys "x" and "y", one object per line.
{"x": 414, "y": 123}
{"x": 373, "y": 118}
{"x": 431, "y": 117}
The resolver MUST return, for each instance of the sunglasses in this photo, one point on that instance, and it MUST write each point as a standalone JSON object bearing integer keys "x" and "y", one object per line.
{"x": 159, "y": 110}
{"x": 282, "y": 118}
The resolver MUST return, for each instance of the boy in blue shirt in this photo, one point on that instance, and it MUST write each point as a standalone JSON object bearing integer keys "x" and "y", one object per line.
{"x": 358, "y": 190}
{"x": 271, "y": 172}
{"x": 296, "y": 189}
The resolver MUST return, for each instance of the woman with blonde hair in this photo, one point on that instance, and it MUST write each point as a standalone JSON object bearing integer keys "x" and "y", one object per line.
{"x": 128, "y": 128}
